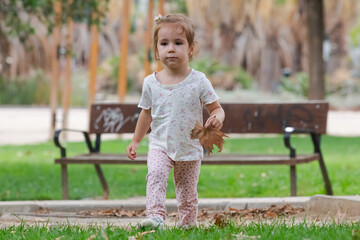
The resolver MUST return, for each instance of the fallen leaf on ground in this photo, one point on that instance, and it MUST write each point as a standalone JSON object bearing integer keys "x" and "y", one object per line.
{"x": 271, "y": 214}
{"x": 208, "y": 137}
{"x": 267, "y": 212}
{"x": 220, "y": 220}
{"x": 43, "y": 211}
{"x": 220, "y": 217}
{"x": 113, "y": 212}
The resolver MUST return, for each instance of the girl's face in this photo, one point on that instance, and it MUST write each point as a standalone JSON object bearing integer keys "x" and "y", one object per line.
{"x": 173, "y": 47}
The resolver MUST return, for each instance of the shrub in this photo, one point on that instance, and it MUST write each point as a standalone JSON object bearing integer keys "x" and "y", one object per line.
{"x": 25, "y": 91}
{"x": 210, "y": 66}
{"x": 244, "y": 78}
{"x": 298, "y": 84}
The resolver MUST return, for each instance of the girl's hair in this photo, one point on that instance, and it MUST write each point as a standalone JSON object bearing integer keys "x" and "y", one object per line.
{"x": 187, "y": 27}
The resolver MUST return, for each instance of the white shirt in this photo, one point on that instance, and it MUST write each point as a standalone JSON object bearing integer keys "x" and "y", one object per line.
{"x": 174, "y": 110}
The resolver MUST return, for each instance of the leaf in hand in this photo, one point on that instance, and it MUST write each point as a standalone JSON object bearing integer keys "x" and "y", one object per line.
{"x": 208, "y": 137}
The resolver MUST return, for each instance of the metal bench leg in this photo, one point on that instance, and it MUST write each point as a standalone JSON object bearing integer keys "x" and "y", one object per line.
{"x": 316, "y": 141}
{"x": 293, "y": 180}
{"x": 64, "y": 182}
{"x": 103, "y": 181}
{"x": 328, "y": 187}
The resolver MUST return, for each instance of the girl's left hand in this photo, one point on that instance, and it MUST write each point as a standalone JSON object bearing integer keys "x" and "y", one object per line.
{"x": 214, "y": 122}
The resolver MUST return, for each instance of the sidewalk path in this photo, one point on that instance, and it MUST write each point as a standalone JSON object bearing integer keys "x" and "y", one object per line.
{"x": 27, "y": 125}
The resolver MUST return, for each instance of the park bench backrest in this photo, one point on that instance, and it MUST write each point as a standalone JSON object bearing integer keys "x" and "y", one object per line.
{"x": 240, "y": 117}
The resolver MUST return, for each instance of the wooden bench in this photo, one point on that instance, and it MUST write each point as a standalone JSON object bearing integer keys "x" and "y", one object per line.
{"x": 250, "y": 118}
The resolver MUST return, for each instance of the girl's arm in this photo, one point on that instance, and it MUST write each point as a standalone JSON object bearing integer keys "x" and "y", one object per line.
{"x": 142, "y": 126}
{"x": 217, "y": 115}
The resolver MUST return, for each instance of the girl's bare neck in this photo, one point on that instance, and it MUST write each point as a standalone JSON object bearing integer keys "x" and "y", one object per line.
{"x": 171, "y": 76}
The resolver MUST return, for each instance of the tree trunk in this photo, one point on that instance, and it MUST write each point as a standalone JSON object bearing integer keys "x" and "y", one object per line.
{"x": 338, "y": 51}
{"x": 4, "y": 52}
{"x": 270, "y": 65}
{"x": 55, "y": 66}
{"x": 315, "y": 24}
{"x": 300, "y": 45}
{"x": 228, "y": 37}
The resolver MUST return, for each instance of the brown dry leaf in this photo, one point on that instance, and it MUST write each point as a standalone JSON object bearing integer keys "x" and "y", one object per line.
{"x": 205, "y": 214}
{"x": 43, "y": 211}
{"x": 140, "y": 212}
{"x": 267, "y": 212}
{"x": 208, "y": 137}
{"x": 124, "y": 213}
{"x": 113, "y": 212}
{"x": 271, "y": 214}
{"x": 220, "y": 220}
{"x": 39, "y": 219}
{"x": 233, "y": 209}
{"x": 109, "y": 211}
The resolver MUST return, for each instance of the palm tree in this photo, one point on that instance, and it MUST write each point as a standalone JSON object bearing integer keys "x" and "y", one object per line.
{"x": 18, "y": 58}
{"x": 264, "y": 36}
{"x": 253, "y": 35}
{"x": 339, "y": 17}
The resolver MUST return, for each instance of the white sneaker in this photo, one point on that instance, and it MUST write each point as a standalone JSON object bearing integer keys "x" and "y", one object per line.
{"x": 153, "y": 222}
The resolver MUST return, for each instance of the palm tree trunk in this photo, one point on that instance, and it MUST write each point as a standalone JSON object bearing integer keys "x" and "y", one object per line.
{"x": 338, "y": 52}
{"x": 315, "y": 24}
{"x": 270, "y": 65}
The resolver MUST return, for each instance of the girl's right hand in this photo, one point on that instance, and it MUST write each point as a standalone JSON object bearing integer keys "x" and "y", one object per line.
{"x": 131, "y": 150}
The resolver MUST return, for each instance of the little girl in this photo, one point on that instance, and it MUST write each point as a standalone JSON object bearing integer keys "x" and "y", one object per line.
{"x": 172, "y": 102}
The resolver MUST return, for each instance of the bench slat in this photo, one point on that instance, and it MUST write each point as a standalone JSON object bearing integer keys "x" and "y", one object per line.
{"x": 240, "y": 117}
{"x": 217, "y": 159}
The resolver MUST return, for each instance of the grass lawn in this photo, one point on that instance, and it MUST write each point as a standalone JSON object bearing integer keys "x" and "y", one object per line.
{"x": 275, "y": 230}
{"x": 28, "y": 172}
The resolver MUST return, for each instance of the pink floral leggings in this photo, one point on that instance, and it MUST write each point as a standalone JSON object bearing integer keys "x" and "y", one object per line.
{"x": 186, "y": 177}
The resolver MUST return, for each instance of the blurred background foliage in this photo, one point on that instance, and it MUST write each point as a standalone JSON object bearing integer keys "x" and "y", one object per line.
{"x": 257, "y": 46}
{"x": 25, "y": 90}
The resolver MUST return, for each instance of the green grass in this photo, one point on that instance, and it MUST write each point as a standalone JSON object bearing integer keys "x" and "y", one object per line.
{"x": 28, "y": 172}
{"x": 253, "y": 230}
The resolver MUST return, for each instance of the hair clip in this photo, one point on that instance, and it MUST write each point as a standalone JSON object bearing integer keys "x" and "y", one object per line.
{"x": 157, "y": 18}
